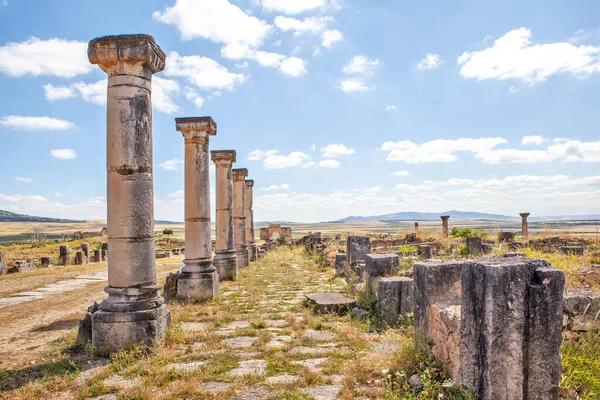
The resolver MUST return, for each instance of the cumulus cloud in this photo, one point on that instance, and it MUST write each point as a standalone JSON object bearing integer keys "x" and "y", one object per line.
{"x": 37, "y": 57}
{"x": 271, "y": 159}
{"x": 361, "y": 65}
{"x": 312, "y": 25}
{"x": 335, "y": 150}
{"x": 291, "y": 66}
{"x": 194, "y": 97}
{"x": 431, "y": 61}
{"x": 400, "y": 173}
{"x": 329, "y": 163}
{"x": 163, "y": 91}
{"x": 372, "y": 191}
{"x": 23, "y": 180}
{"x": 330, "y": 37}
{"x": 513, "y": 56}
{"x": 290, "y": 7}
{"x": 35, "y": 123}
{"x": 441, "y": 150}
{"x": 352, "y": 85}
{"x": 53, "y": 93}
{"x": 171, "y": 165}
{"x": 92, "y": 208}
{"x": 216, "y": 20}
{"x": 283, "y": 186}
{"x": 63, "y": 154}
{"x": 203, "y": 72}
{"x": 533, "y": 139}
{"x": 95, "y": 92}
{"x": 391, "y": 108}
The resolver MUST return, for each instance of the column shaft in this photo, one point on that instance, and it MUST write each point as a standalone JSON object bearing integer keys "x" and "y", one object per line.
{"x": 249, "y": 200}
{"x": 239, "y": 215}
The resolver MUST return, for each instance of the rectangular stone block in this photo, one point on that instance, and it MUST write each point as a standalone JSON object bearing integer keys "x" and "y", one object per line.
{"x": 394, "y": 297}
{"x": 357, "y": 248}
{"x": 377, "y": 266}
{"x": 340, "y": 264}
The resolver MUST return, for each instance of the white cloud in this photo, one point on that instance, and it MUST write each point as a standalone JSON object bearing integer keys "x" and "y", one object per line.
{"x": 59, "y": 194}
{"x": 293, "y": 66}
{"x": 441, "y": 150}
{"x": 353, "y": 85}
{"x": 283, "y": 186}
{"x": 35, "y": 123}
{"x": 431, "y": 61}
{"x": 53, "y": 57}
{"x": 194, "y": 97}
{"x": 216, "y": 20}
{"x": 53, "y": 93}
{"x": 513, "y": 89}
{"x": 271, "y": 159}
{"x": 163, "y": 91}
{"x": 24, "y": 180}
{"x": 203, "y": 72}
{"x": 533, "y": 139}
{"x": 372, "y": 191}
{"x": 312, "y": 25}
{"x": 292, "y": 6}
{"x": 391, "y": 108}
{"x": 361, "y": 65}
{"x": 586, "y": 36}
{"x": 309, "y": 164}
{"x": 513, "y": 56}
{"x": 400, "y": 173}
{"x": 63, "y": 154}
{"x": 92, "y": 208}
{"x": 330, "y": 37}
{"x": 335, "y": 150}
{"x": 171, "y": 165}
{"x": 93, "y": 92}
{"x": 329, "y": 164}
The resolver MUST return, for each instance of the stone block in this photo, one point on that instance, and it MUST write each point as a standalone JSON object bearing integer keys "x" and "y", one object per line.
{"x": 79, "y": 258}
{"x": 394, "y": 297}
{"x": 574, "y": 250}
{"x": 330, "y": 302}
{"x": 506, "y": 237}
{"x": 104, "y": 255}
{"x": 46, "y": 261}
{"x": 97, "y": 255}
{"x": 170, "y": 287}
{"x": 377, "y": 266}
{"x": 474, "y": 246}
{"x": 425, "y": 251}
{"x": 357, "y": 248}
{"x": 340, "y": 264}
{"x": 198, "y": 286}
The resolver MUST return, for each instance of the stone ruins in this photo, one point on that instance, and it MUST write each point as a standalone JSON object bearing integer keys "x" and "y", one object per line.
{"x": 268, "y": 233}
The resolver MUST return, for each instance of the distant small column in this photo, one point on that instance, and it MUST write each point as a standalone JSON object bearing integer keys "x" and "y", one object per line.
{"x": 226, "y": 259}
{"x": 445, "y": 226}
{"x": 85, "y": 248}
{"x": 239, "y": 215}
{"x": 64, "y": 257}
{"x": 198, "y": 280}
{"x": 97, "y": 255}
{"x": 525, "y": 234}
{"x": 249, "y": 200}
{"x": 416, "y": 229}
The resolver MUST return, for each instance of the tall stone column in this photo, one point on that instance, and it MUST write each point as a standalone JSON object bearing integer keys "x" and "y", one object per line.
{"x": 525, "y": 234}
{"x": 226, "y": 259}
{"x": 198, "y": 280}
{"x": 133, "y": 313}
{"x": 445, "y": 226}
{"x": 239, "y": 215}
{"x": 252, "y": 247}
{"x": 416, "y": 229}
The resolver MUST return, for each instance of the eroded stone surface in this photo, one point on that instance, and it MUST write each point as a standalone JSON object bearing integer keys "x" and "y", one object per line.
{"x": 313, "y": 364}
{"x": 254, "y": 394}
{"x": 249, "y": 367}
{"x": 330, "y": 302}
{"x": 324, "y": 392}
{"x": 283, "y": 379}
{"x": 240, "y": 341}
{"x": 321, "y": 336}
{"x": 214, "y": 386}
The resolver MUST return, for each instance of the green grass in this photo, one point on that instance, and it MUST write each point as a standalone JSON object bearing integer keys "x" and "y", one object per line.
{"x": 581, "y": 366}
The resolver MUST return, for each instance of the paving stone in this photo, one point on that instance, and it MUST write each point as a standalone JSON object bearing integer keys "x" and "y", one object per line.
{"x": 313, "y": 364}
{"x": 110, "y": 396}
{"x": 237, "y": 324}
{"x": 279, "y": 342}
{"x": 249, "y": 367}
{"x": 118, "y": 382}
{"x": 240, "y": 342}
{"x": 283, "y": 379}
{"x": 91, "y": 369}
{"x": 317, "y": 351}
{"x": 185, "y": 367}
{"x": 195, "y": 326}
{"x": 254, "y": 394}
{"x": 247, "y": 354}
{"x": 320, "y": 336}
{"x": 214, "y": 386}
{"x": 324, "y": 392}
{"x": 336, "y": 379}
{"x": 276, "y": 323}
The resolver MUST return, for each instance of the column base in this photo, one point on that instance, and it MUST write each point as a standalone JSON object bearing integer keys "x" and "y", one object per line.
{"x": 226, "y": 263}
{"x": 243, "y": 256}
{"x": 115, "y": 331}
{"x": 253, "y": 251}
{"x": 198, "y": 286}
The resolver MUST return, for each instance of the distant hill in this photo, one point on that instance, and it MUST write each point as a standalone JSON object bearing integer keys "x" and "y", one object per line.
{"x": 7, "y": 216}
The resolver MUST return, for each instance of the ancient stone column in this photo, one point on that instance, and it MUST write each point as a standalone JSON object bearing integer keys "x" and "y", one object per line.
{"x": 252, "y": 247}
{"x": 85, "y": 248}
{"x": 198, "y": 280}
{"x": 226, "y": 259}
{"x": 239, "y": 215}
{"x": 133, "y": 313}
{"x": 416, "y": 229}
{"x": 445, "y": 226}
{"x": 524, "y": 234}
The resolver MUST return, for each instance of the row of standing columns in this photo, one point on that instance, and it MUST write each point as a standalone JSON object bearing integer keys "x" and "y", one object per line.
{"x": 445, "y": 219}
{"x": 134, "y": 312}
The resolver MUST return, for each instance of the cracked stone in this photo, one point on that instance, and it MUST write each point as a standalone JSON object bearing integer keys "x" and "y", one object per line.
{"x": 249, "y": 367}
{"x": 313, "y": 364}
{"x": 240, "y": 341}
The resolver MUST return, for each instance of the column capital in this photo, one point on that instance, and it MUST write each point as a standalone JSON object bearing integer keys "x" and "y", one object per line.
{"x": 196, "y": 127}
{"x": 445, "y": 217}
{"x": 239, "y": 174}
{"x": 125, "y": 54}
{"x": 249, "y": 182}
{"x": 524, "y": 215}
{"x": 223, "y": 156}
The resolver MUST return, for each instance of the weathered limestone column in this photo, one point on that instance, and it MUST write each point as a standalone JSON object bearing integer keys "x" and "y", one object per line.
{"x": 416, "y": 229}
{"x": 252, "y": 247}
{"x": 445, "y": 226}
{"x": 239, "y": 215}
{"x": 198, "y": 280}
{"x": 525, "y": 234}
{"x": 226, "y": 259}
{"x": 133, "y": 313}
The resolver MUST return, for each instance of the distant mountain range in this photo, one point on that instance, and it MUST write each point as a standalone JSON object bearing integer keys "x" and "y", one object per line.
{"x": 7, "y": 216}
{"x": 459, "y": 215}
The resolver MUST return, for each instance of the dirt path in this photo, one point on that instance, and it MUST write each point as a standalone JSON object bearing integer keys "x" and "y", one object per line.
{"x": 52, "y": 305}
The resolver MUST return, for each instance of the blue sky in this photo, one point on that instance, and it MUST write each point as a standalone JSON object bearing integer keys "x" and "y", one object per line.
{"x": 336, "y": 107}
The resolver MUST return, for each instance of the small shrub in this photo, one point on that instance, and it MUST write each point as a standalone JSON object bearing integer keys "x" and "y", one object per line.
{"x": 168, "y": 232}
